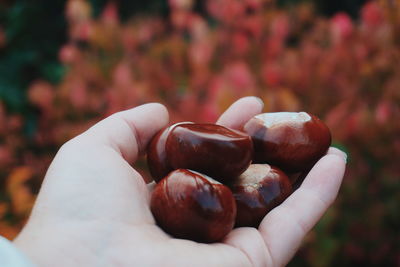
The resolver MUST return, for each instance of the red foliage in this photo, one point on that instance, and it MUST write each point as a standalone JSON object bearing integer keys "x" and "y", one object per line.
{"x": 347, "y": 72}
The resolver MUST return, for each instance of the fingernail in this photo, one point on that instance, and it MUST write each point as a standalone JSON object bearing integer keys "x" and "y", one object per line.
{"x": 340, "y": 153}
{"x": 260, "y": 101}
{"x": 343, "y": 155}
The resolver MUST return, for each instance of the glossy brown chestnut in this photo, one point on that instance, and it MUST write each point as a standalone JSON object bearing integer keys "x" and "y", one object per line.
{"x": 211, "y": 149}
{"x": 157, "y": 160}
{"x": 289, "y": 140}
{"x": 257, "y": 191}
{"x": 190, "y": 205}
{"x": 297, "y": 178}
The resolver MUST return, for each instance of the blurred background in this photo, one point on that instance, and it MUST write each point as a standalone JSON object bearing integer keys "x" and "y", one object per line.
{"x": 66, "y": 64}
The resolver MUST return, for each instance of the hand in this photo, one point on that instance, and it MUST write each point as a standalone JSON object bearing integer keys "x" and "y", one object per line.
{"x": 93, "y": 207}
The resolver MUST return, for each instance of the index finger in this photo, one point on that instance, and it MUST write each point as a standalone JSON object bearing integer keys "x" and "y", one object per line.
{"x": 240, "y": 112}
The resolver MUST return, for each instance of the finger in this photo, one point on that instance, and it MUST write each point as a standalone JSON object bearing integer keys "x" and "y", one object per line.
{"x": 251, "y": 243}
{"x": 128, "y": 132}
{"x": 151, "y": 186}
{"x": 284, "y": 227}
{"x": 240, "y": 112}
{"x": 335, "y": 151}
{"x": 198, "y": 254}
{"x": 90, "y": 177}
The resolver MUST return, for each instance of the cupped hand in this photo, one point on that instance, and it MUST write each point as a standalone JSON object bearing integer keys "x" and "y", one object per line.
{"x": 93, "y": 207}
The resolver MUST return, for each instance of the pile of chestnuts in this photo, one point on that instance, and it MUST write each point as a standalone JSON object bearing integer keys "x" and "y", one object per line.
{"x": 211, "y": 178}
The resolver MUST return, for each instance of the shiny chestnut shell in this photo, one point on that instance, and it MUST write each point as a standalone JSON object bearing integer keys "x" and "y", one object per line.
{"x": 190, "y": 205}
{"x": 257, "y": 191}
{"x": 157, "y": 160}
{"x": 214, "y": 150}
{"x": 289, "y": 140}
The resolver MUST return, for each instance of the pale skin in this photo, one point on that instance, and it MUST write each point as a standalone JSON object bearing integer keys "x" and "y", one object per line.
{"x": 93, "y": 207}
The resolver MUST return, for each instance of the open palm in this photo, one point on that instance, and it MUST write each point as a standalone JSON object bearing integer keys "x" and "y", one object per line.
{"x": 93, "y": 207}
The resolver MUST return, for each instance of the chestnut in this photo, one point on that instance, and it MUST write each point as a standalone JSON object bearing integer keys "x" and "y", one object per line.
{"x": 289, "y": 140}
{"x": 211, "y": 149}
{"x": 297, "y": 178}
{"x": 157, "y": 161}
{"x": 257, "y": 191}
{"x": 190, "y": 205}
